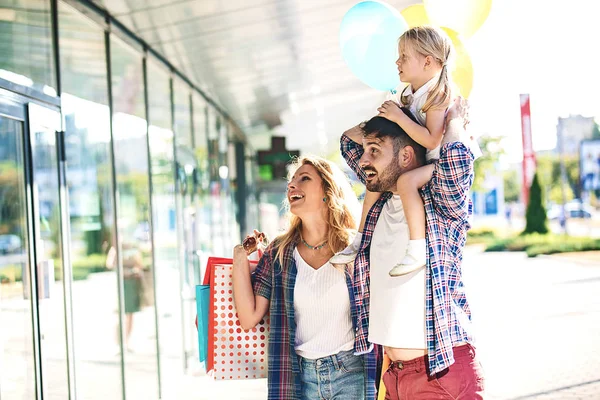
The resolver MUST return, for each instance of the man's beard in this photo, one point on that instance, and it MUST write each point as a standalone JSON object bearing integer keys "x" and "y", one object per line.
{"x": 388, "y": 179}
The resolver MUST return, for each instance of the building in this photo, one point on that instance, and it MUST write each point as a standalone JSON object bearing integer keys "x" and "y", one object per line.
{"x": 118, "y": 177}
{"x": 575, "y": 129}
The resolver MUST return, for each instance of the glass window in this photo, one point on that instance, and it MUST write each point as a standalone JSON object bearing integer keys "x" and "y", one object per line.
{"x": 164, "y": 223}
{"x": 183, "y": 128}
{"x": 43, "y": 124}
{"x": 202, "y": 172}
{"x": 17, "y": 379}
{"x": 26, "y": 55}
{"x": 133, "y": 211}
{"x": 251, "y": 170}
{"x": 87, "y": 140}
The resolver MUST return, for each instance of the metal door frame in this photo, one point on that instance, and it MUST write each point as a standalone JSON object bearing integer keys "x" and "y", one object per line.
{"x": 20, "y": 108}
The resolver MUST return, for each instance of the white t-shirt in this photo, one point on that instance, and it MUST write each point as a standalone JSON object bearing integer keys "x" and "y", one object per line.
{"x": 397, "y": 308}
{"x": 416, "y": 101}
{"x": 322, "y": 310}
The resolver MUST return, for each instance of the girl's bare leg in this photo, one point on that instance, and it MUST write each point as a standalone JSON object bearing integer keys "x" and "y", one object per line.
{"x": 349, "y": 253}
{"x": 408, "y": 187}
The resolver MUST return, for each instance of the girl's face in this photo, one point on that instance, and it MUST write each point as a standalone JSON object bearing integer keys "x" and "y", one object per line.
{"x": 411, "y": 65}
{"x": 305, "y": 192}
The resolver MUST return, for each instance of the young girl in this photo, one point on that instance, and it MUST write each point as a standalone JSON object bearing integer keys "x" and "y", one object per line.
{"x": 424, "y": 53}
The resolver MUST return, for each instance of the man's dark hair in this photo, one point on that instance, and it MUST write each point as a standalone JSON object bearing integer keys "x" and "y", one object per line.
{"x": 381, "y": 128}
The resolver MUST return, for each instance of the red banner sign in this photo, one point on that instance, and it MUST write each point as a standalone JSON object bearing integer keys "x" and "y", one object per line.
{"x": 529, "y": 163}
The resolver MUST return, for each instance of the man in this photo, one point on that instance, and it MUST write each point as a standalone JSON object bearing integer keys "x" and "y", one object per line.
{"x": 422, "y": 319}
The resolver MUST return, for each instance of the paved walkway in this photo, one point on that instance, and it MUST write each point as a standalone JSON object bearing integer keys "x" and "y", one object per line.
{"x": 537, "y": 321}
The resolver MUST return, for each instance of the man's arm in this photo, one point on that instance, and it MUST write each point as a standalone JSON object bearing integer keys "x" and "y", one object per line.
{"x": 453, "y": 173}
{"x": 352, "y": 150}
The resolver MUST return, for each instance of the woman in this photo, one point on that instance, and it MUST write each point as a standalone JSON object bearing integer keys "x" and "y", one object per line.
{"x": 309, "y": 300}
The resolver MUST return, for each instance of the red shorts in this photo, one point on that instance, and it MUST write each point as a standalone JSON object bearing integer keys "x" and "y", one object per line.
{"x": 411, "y": 380}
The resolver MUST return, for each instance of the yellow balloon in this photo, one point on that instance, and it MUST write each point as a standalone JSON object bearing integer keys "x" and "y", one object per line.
{"x": 463, "y": 16}
{"x": 462, "y": 70}
{"x": 415, "y": 15}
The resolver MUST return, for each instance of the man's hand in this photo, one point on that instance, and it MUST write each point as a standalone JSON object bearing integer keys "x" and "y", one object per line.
{"x": 391, "y": 110}
{"x": 459, "y": 110}
{"x": 457, "y": 121}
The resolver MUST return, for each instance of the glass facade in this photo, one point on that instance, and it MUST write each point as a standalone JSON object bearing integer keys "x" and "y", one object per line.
{"x": 106, "y": 225}
{"x": 17, "y": 382}
{"x": 26, "y": 56}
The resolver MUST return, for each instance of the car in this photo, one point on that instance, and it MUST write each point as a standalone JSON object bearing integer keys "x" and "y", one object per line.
{"x": 573, "y": 209}
{"x": 10, "y": 244}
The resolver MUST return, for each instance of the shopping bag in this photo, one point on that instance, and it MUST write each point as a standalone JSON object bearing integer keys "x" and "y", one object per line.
{"x": 232, "y": 352}
{"x": 202, "y": 307}
{"x": 210, "y": 321}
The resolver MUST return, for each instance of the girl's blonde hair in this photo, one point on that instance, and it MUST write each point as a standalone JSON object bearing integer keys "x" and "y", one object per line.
{"x": 341, "y": 203}
{"x": 433, "y": 42}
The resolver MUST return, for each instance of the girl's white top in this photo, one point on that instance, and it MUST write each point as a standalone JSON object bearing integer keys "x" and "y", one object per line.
{"x": 416, "y": 101}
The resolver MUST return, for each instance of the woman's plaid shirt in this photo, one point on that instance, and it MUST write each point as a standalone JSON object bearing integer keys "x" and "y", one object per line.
{"x": 447, "y": 208}
{"x": 276, "y": 283}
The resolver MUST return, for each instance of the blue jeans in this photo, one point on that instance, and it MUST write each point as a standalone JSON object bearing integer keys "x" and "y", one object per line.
{"x": 340, "y": 376}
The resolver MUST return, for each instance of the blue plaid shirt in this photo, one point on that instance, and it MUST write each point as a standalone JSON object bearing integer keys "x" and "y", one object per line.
{"x": 447, "y": 208}
{"x": 276, "y": 283}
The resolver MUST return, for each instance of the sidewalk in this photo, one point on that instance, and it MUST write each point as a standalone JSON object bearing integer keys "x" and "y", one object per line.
{"x": 582, "y": 257}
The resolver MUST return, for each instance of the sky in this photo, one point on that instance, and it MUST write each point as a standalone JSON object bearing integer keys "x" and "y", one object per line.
{"x": 549, "y": 49}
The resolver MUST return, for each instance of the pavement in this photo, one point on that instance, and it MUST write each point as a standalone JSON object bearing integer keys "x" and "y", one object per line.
{"x": 537, "y": 323}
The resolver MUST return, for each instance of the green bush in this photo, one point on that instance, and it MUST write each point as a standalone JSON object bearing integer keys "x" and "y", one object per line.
{"x": 536, "y": 244}
{"x": 481, "y": 235}
{"x": 535, "y": 215}
{"x": 564, "y": 247}
{"x": 83, "y": 266}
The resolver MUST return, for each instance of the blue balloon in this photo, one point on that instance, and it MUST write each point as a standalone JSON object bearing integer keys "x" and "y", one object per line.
{"x": 369, "y": 36}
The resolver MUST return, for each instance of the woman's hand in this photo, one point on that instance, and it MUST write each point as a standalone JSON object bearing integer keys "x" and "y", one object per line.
{"x": 255, "y": 241}
{"x": 391, "y": 110}
{"x": 239, "y": 251}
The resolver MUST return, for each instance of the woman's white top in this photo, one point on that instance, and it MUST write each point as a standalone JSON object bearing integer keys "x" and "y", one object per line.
{"x": 397, "y": 309}
{"x": 322, "y": 310}
{"x": 416, "y": 101}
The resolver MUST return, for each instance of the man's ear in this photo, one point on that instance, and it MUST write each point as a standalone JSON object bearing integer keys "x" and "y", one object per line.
{"x": 407, "y": 156}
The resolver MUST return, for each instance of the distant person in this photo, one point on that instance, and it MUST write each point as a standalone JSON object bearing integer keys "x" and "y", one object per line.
{"x": 508, "y": 214}
{"x": 588, "y": 171}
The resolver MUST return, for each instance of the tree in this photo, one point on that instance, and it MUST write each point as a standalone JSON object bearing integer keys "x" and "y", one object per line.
{"x": 596, "y": 132}
{"x": 548, "y": 169}
{"x": 512, "y": 189}
{"x": 491, "y": 151}
{"x": 535, "y": 216}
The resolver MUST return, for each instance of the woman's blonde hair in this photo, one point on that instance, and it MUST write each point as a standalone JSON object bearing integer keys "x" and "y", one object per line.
{"x": 433, "y": 42}
{"x": 341, "y": 203}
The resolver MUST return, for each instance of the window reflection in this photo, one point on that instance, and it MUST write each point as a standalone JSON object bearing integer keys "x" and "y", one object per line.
{"x": 183, "y": 128}
{"x": 164, "y": 222}
{"x": 131, "y": 168}
{"x": 16, "y": 342}
{"x": 43, "y": 124}
{"x": 87, "y": 138}
{"x": 202, "y": 177}
{"x": 26, "y": 56}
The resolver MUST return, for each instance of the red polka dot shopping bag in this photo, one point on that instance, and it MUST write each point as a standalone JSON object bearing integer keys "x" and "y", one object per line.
{"x": 232, "y": 353}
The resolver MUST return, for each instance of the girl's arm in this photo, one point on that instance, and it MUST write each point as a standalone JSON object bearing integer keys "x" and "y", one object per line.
{"x": 429, "y": 136}
{"x": 251, "y": 308}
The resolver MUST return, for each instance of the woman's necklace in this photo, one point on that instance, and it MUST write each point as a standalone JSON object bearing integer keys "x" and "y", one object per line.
{"x": 318, "y": 247}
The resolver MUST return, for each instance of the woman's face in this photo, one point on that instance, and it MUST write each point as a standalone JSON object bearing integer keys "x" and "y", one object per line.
{"x": 305, "y": 192}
